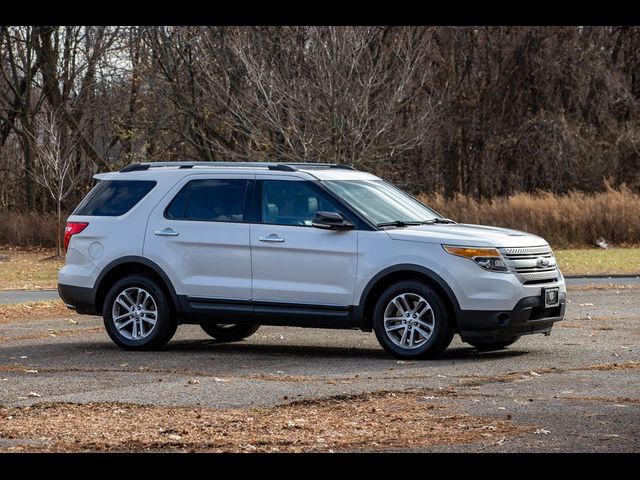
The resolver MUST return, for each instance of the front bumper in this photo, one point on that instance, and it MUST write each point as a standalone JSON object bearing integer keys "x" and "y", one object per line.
{"x": 527, "y": 317}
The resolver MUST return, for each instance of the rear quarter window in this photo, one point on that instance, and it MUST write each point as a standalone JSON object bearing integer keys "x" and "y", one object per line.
{"x": 112, "y": 198}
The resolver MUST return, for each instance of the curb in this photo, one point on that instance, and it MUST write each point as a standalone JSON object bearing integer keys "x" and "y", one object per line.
{"x": 629, "y": 275}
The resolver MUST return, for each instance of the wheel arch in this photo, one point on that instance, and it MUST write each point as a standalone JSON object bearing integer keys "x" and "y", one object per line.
{"x": 363, "y": 315}
{"x": 130, "y": 265}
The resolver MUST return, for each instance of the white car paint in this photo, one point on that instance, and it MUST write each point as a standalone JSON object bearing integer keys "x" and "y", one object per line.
{"x": 313, "y": 266}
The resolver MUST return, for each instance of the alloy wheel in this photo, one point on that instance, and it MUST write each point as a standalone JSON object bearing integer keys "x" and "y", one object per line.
{"x": 409, "y": 321}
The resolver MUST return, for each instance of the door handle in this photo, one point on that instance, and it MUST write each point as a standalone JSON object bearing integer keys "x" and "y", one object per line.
{"x": 166, "y": 232}
{"x": 272, "y": 238}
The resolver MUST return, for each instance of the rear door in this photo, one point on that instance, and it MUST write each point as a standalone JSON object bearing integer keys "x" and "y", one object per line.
{"x": 199, "y": 235}
{"x": 294, "y": 263}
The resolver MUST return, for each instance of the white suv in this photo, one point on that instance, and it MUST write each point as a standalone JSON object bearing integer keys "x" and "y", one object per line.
{"x": 231, "y": 246}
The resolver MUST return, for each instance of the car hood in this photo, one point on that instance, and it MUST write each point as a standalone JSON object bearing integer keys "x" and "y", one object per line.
{"x": 466, "y": 235}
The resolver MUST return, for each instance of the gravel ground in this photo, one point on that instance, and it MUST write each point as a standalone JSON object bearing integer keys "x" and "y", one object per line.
{"x": 62, "y": 383}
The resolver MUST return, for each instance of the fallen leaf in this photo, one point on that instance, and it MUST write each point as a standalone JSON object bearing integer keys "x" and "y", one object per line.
{"x": 534, "y": 374}
{"x": 34, "y": 394}
{"x": 71, "y": 320}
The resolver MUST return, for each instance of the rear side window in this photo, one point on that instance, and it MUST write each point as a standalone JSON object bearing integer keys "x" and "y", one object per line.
{"x": 209, "y": 200}
{"x": 111, "y": 198}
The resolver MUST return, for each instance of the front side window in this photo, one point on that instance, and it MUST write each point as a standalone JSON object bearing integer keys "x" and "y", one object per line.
{"x": 287, "y": 202}
{"x": 211, "y": 200}
{"x": 112, "y": 198}
{"x": 380, "y": 202}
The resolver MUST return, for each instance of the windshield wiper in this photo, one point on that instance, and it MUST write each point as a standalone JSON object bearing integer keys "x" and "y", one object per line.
{"x": 406, "y": 223}
{"x": 399, "y": 223}
{"x": 438, "y": 220}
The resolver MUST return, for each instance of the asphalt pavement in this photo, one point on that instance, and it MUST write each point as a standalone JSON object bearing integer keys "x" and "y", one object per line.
{"x": 578, "y": 387}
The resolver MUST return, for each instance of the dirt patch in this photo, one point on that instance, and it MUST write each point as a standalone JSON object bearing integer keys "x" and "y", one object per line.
{"x": 376, "y": 421}
{"x": 602, "y": 286}
{"x": 513, "y": 376}
{"x": 53, "y": 333}
{"x": 611, "y": 366}
{"x": 35, "y": 311}
{"x": 615, "y": 400}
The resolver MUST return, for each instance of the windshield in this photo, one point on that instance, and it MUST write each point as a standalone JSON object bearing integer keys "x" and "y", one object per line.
{"x": 381, "y": 202}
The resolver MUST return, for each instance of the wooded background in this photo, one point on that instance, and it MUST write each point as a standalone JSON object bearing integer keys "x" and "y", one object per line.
{"x": 480, "y": 111}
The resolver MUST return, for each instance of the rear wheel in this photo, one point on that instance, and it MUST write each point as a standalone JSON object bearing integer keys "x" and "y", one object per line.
{"x": 498, "y": 345}
{"x": 137, "y": 314}
{"x": 410, "y": 320}
{"x": 229, "y": 332}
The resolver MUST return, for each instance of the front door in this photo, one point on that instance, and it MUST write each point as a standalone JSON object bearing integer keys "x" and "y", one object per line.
{"x": 294, "y": 263}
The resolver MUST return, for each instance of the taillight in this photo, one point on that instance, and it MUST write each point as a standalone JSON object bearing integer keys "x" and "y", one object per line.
{"x": 71, "y": 229}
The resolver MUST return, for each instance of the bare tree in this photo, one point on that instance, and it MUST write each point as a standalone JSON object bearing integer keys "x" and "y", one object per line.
{"x": 54, "y": 163}
{"x": 483, "y": 111}
{"x": 355, "y": 95}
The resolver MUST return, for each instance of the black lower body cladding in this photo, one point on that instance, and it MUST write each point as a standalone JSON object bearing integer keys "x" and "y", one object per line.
{"x": 527, "y": 317}
{"x": 82, "y": 299}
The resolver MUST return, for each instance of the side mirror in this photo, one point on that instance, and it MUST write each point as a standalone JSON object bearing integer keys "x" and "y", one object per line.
{"x": 331, "y": 221}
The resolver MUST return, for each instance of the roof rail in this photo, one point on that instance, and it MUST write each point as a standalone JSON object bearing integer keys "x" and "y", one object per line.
{"x": 287, "y": 167}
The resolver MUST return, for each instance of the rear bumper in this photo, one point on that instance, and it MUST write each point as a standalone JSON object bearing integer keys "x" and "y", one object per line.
{"x": 81, "y": 299}
{"x": 527, "y": 317}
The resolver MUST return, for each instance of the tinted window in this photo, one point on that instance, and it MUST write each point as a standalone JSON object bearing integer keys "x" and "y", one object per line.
{"x": 292, "y": 203}
{"x": 111, "y": 198}
{"x": 176, "y": 209}
{"x": 210, "y": 200}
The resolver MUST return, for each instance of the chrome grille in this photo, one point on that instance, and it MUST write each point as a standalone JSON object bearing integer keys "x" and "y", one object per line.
{"x": 531, "y": 264}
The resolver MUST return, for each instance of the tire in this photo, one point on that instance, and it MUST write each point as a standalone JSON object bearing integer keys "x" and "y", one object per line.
{"x": 229, "y": 333}
{"x": 434, "y": 331}
{"x": 138, "y": 332}
{"x": 499, "y": 345}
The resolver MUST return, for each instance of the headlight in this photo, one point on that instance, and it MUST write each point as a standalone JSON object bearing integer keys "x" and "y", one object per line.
{"x": 488, "y": 258}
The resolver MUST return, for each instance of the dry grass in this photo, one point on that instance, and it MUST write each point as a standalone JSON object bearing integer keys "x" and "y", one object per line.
{"x": 26, "y": 269}
{"x": 27, "y": 229}
{"x": 571, "y": 220}
{"x": 575, "y": 219}
{"x": 377, "y": 421}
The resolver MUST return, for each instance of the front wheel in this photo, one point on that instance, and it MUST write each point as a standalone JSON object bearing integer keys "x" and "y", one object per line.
{"x": 229, "y": 333}
{"x": 411, "y": 321}
{"x": 498, "y": 345}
